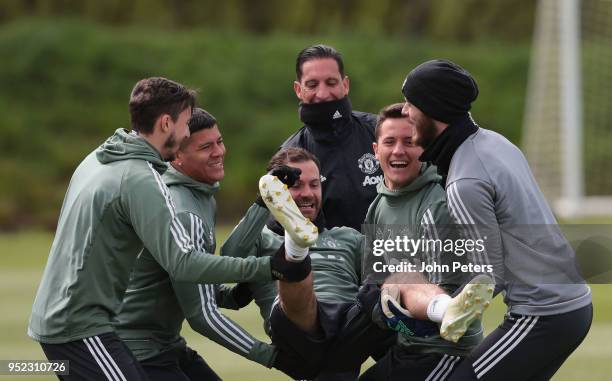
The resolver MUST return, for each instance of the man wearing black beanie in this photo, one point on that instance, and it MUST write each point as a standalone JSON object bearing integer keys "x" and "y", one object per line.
{"x": 492, "y": 194}
{"x": 440, "y": 93}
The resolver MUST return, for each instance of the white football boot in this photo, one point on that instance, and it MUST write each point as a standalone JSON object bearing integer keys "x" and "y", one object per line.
{"x": 277, "y": 198}
{"x": 466, "y": 307}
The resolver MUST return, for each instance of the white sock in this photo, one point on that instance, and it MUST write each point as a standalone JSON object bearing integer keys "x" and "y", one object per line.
{"x": 293, "y": 251}
{"x": 437, "y": 307}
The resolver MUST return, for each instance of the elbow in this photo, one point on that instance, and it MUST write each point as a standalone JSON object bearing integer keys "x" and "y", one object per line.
{"x": 198, "y": 325}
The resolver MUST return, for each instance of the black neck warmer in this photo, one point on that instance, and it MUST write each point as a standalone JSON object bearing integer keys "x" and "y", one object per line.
{"x": 441, "y": 151}
{"x": 325, "y": 114}
{"x": 277, "y": 228}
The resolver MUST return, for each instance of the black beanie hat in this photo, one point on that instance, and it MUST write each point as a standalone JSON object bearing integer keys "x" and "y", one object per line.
{"x": 441, "y": 89}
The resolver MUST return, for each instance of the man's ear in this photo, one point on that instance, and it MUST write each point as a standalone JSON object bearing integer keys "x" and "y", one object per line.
{"x": 164, "y": 123}
{"x": 347, "y": 84}
{"x": 297, "y": 87}
{"x": 375, "y": 148}
{"x": 178, "y": 159}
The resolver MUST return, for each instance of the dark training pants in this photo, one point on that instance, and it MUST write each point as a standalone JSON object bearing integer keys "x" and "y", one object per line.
{"x": 182, "y": 364}
{"x": 525, "y": 347}
{"x": 348, "y": 336}
{"x": 103, "y": 357}
{"x": 400, "y": 365}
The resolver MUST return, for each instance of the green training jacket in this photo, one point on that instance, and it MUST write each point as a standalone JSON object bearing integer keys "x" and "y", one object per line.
{"x": 421, "y": 207}
{"x": 115, "y": 206}
{"x": 155, "y": 305}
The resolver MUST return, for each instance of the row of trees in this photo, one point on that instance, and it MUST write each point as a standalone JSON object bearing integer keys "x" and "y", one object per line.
{"x": 64, "y": 88}
{"x": 454, "y": 20}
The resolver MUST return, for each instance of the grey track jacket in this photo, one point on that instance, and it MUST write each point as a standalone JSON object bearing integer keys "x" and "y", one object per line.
{"x": 491, "y": 191}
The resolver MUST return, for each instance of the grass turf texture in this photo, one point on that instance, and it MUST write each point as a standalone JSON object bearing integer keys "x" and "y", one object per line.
{"x": 23, "y": 256}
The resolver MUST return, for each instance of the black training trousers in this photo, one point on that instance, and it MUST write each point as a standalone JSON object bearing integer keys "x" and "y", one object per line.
{"x": 102, "y": 357}
{"x": 181, "y": 364}
{"x": 530, "y": 348}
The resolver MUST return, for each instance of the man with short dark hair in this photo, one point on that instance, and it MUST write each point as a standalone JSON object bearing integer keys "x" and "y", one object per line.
{"x": 338, "y": 136}
{"x": 492, "y": 194}
{"x": 116, "y": 206}
{"x": 156, "y": 305}
{"x": 307, "y": 319}
{"x": 411, "y": 203}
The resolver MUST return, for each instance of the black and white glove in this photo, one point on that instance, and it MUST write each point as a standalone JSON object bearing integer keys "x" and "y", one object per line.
{"x": 287, "y": 175}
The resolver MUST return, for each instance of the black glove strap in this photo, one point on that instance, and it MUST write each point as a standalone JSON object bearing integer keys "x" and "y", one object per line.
{"x": 287, "y": 271}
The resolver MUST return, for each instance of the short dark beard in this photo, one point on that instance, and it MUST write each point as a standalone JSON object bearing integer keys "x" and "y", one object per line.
{"x": 427, "y": 134}
{"x": 170, "y": 148}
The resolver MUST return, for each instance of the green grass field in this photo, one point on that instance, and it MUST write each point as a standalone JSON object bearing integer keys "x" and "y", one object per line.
{"x": 23, "y": 256}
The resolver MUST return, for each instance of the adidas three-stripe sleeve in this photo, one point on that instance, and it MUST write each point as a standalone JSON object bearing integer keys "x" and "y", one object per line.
{"x": 472, "y": 206}
{"x": 155, "y": 221}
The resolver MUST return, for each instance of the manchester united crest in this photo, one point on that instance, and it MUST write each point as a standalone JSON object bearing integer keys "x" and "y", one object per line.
{"x": 368, "y": 163}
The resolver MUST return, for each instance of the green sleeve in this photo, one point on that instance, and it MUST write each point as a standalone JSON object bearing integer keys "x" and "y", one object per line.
{"x": 245, "y": 239}
{"x": 147, "y": 203}
{"x": 199, "y": 305}
{"x": 366, "y": 256}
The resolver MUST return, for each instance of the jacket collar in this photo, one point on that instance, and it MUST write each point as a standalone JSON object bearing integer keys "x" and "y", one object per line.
{"x": 428, "y": 174}
{"x": 174, "y": 177}
{"x": 327, "y": 121}
{"x": 441, "y": 151}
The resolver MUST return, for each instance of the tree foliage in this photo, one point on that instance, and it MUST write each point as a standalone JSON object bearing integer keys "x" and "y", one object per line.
{"x": 454, "y": 20}
{"x": 64, "y": 88}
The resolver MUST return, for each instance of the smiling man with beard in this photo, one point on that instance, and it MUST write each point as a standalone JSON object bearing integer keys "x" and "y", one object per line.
{"x": 492, "y": 193}
{"x": 310, "y": 319}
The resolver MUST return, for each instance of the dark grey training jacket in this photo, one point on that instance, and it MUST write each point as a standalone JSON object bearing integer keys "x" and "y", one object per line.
{"x": 491, "y": 190}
